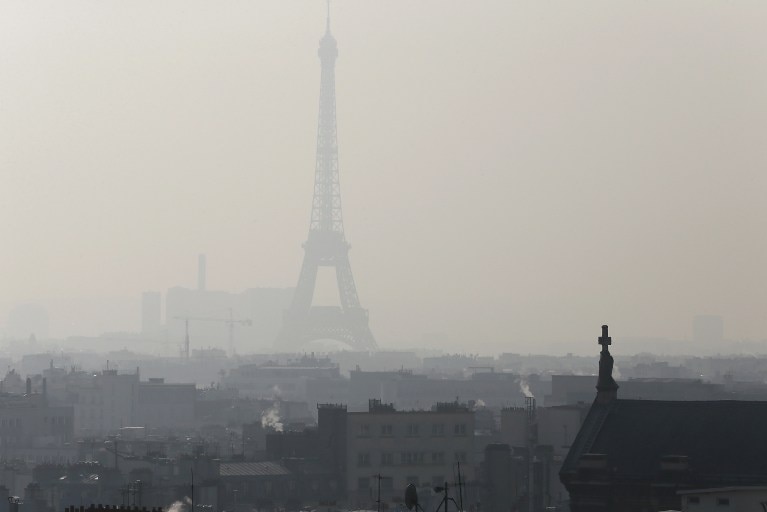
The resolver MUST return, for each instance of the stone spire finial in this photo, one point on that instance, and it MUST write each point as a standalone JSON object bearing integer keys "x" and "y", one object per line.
{"x": 605, "y": 340}
{"x": 607, "y": 388}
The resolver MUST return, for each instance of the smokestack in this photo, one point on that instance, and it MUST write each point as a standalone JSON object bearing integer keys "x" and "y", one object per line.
{"x": 45, "y": 388}
{"x": 29, "y": 386}
{"x": 201, "y": 273}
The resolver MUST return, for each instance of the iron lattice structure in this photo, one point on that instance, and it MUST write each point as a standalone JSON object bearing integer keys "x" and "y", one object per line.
{"x": 326, "y": 245}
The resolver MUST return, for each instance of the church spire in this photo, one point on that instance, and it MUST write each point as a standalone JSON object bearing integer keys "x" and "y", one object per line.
{"x": 607, "y": 388}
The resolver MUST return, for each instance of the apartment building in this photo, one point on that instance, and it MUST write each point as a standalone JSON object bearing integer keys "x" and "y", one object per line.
{"x": 406, "y": 447}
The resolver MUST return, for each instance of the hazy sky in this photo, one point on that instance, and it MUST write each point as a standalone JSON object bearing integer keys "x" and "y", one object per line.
{"x": 512, "y": 172}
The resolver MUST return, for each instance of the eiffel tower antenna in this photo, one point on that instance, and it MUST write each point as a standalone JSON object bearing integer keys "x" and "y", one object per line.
{"x": 326, "y": 245}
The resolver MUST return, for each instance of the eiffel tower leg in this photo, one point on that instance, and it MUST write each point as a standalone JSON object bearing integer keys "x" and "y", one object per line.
{"x": 347, "y": 290}
{"x": 307, "y": 281}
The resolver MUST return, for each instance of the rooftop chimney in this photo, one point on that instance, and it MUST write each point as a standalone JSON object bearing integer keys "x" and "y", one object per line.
{"x": 201, "y": 273}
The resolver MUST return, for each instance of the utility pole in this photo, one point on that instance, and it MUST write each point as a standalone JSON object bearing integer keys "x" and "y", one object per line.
{"x": 378, "y": 500}
{"x": 460, "y": 485}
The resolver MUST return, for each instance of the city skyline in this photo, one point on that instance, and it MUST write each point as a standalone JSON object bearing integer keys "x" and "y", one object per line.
{"x": 512, "y": 173}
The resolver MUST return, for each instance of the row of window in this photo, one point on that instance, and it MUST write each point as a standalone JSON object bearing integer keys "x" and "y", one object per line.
{"x": 412, "y": 430}
{"x": 721, "y": 502}
{"x": 16, "y": 422}
{"x": 10, "y": 422}
{"x": 387, "y": 482}
{"x": 408, "y": 458}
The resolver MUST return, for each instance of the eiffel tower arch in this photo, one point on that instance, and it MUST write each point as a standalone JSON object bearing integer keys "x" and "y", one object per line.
{"x": 326, "y": 245}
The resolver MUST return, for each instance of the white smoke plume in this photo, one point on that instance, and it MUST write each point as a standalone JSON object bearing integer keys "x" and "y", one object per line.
{"x": 524, "y": 387}
{"x": 270, "y": 418}
{"x": 479, "y": 404}
{"x": 180, "y": 506}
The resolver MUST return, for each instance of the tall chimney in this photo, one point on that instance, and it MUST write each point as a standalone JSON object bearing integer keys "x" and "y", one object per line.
{"x": 29, "y": 386}
{"x": 201, "y": 273}
{"x": 45, "y": 388}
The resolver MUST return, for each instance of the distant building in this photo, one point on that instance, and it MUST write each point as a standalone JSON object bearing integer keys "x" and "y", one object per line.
{"x": 574, "y": 389}
{"x": 407, "y": 390}
{"x": 32, "y": 430}
{"x": 108, "y": 401}
{"x": 546, "y": 433}
{"x": 286, "y": 381}
{"x": 640, "y": 454}
{"x": 103, "y": 402}
{"x": 259, "y": 310}
{"x": 162, "y": 405}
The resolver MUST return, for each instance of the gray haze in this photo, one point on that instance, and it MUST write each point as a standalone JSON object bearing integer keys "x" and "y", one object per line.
{"x": 511, "y": 172}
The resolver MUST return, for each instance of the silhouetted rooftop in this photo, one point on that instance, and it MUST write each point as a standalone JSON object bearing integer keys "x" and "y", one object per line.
{"x": 253, "y": 469}
{"x": 721, "y": 440}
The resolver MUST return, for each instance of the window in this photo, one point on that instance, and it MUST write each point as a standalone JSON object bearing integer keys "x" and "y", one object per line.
{"x": 363, "y": 459}
{"x": 438, "y": 457}
{"x": 363, "y": 430}
{"x": 438, "y": 430}
{"x": 411, "y": 458}
{"x": 460, "y": 456}
{"x": 387, "y": 483}
{"x": 412, "y": 430}
{"x": 723, "y": 502}
{"x": 363, "y": 483}
{"x": 693, "y": 500}
{"x": 387, "y": 430}
{"x": 460, "y": 429}
{"x": 387, "y": 459}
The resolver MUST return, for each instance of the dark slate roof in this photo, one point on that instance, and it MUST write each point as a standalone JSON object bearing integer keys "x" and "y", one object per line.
{"x": 721, "y": 439}
{"x": 253, "y": 469}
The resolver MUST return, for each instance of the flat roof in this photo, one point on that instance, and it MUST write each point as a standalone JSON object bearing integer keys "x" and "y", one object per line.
{"x": 733, "y": 488}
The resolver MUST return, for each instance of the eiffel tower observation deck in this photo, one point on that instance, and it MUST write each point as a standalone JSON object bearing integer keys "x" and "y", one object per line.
{"x": 326, "y": 245}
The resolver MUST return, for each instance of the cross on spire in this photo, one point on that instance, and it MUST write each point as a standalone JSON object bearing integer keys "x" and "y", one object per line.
{"x": 605, "y": 340}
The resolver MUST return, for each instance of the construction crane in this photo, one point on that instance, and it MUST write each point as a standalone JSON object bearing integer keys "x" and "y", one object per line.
{"x": 231, "y": 322}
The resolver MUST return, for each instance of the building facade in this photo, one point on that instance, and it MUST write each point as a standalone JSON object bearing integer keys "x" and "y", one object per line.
{"x": 398, "y": 448}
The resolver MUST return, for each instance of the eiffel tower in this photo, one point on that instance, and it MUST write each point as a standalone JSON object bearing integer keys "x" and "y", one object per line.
{"x": 326, "y": 245}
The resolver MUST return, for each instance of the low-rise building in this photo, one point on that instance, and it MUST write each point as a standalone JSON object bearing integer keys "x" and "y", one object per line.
{"x": 33, "y": 430}
{"x": 423, "y": 448}
{"x": 731, "y": 499}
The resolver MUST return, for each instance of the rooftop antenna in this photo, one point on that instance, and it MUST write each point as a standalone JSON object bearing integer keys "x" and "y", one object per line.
{"x": 328, "y": 22}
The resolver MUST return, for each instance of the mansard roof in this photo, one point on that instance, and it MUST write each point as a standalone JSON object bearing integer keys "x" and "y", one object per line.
{"x": 722, "y": 441}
